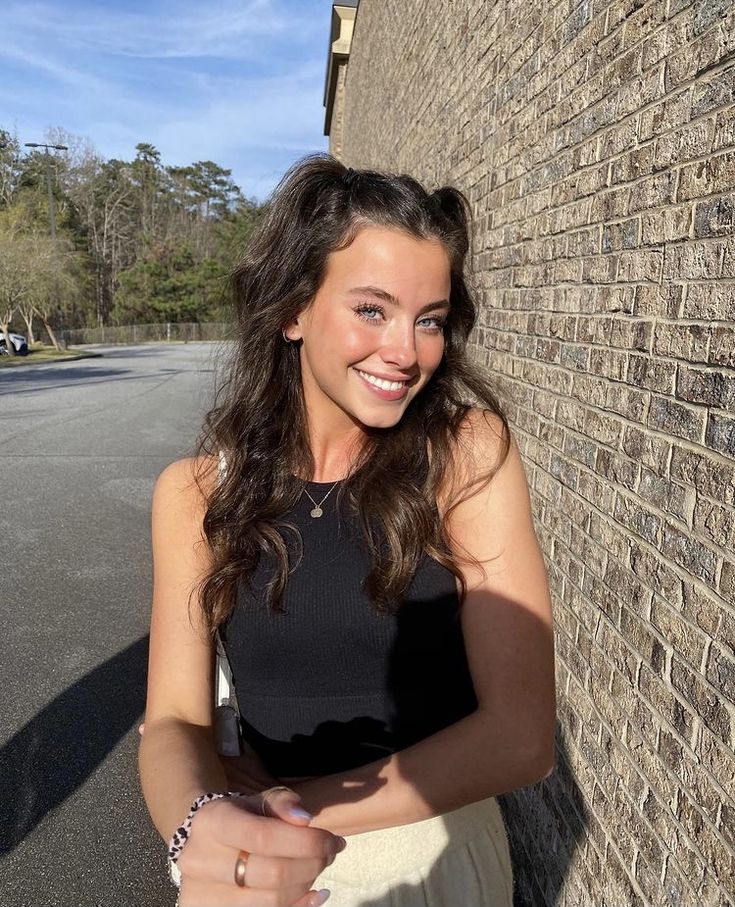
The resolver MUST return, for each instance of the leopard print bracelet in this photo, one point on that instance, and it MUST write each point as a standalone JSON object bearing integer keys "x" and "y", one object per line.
{"x": 181, "y": 835}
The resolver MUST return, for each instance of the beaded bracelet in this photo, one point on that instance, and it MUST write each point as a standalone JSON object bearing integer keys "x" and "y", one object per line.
{"x": 181, "y": 835}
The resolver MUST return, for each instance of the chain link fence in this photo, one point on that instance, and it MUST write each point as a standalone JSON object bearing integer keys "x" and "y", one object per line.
{"x": 148, "y": 333}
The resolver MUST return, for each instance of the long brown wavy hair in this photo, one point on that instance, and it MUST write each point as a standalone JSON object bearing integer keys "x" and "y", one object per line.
{"x": 259, "y": 419}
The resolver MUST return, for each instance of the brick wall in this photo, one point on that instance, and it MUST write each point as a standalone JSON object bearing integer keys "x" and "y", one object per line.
{"x": 596, "y": 142}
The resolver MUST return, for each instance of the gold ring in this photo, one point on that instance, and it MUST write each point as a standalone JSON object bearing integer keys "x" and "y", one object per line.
{"x": 241, "y": 864}
{"x": 266, "y": 793}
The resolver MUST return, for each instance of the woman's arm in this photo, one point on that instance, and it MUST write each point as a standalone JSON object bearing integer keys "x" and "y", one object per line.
{"x": 508, "y": 742}
{"x": 178, "y": 759}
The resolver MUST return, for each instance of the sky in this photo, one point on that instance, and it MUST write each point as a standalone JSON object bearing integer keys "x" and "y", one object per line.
{"x": 238, "y": 82}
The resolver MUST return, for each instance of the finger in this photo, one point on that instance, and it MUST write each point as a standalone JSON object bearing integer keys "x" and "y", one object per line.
{"x": 284, "y": 803}
{"x": 228, "y": 823}
{"x": 313, "y": 898}
{"x": 208, "y": 894}
{"x": 260, "y": 872}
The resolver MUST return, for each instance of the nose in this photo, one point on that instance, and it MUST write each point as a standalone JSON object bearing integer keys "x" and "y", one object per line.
{"x": 399, "y": 348}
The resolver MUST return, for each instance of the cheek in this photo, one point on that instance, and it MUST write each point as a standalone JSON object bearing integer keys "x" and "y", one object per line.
{"x": 358, "y": 341}
{"x": 432, "y": 353}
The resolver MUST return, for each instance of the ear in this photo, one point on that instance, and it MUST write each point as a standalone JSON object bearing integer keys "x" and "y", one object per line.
{"x": 292, "y": 331}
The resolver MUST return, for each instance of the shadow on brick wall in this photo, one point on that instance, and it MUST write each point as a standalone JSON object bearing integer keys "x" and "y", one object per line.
{"x": 552, "y": 812}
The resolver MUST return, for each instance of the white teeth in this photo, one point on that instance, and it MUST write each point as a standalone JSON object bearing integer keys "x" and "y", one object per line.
{"x": 381, "y": 382}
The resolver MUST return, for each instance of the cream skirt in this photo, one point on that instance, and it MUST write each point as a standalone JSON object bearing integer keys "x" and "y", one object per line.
{"x": 461, "y": 858}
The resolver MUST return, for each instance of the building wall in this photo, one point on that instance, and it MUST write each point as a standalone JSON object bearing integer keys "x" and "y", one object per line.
{"x": 596, "y": 143}
{"x": 337, "y": 125}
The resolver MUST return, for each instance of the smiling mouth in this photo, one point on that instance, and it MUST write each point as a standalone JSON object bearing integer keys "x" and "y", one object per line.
{"x": 382, "y": 383}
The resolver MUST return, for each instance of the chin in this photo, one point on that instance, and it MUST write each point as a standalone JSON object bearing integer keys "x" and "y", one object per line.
{"x": 385, "y": 419}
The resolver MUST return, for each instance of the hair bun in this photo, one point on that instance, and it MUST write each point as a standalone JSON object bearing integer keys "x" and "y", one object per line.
{"x": 452, "y": 204}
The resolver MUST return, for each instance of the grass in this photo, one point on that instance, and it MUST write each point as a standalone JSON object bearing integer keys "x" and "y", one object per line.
{"x": 42, "y": 352}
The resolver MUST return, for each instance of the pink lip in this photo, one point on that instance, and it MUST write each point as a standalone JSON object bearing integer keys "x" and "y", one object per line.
{"x": 384, "y": 394}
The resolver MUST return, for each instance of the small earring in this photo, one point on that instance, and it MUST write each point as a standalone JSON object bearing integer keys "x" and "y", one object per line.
{"x": 287, "y": 339}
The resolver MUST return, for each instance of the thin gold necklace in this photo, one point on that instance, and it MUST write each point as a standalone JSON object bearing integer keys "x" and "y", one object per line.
{"x": 317, "y": 511}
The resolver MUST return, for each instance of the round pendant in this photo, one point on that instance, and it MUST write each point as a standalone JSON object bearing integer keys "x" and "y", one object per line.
{"x": 317, "y": 511}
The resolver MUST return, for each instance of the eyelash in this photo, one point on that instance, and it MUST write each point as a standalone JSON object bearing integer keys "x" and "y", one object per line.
{"x": 370, "y": 307}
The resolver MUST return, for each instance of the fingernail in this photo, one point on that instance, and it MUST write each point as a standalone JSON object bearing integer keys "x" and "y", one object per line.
{"x": 321, "y": 897}
{"x": 299, "y": 813}
{"x": 341, "y": 844}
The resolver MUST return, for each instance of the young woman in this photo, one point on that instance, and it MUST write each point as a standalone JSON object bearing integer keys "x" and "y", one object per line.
{"x": 357, "y": 528}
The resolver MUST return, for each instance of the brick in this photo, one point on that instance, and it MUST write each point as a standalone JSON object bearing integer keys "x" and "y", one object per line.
{"x": 638, "y": 519}
{"x": 696, "y": 557}
{"x": 676, "y": 419}
{"x": 626, "y": 401}
{"x": 678, "y": 892}
{"x": 692, "y": 260}
{"x": 653, "y": 191}
{"x": 686, "y": 640}
{"x": 602, "y": 428}
{"x": 648, "y": 565}
{"x": 720, "y": 434}
{"x": 669, "y": 113}
{"x": 599, "y": 269}
{"x": 652, "y": 373}
{"x": 708, "y": 12}
{"x": 640, "y": 265}
{"x": 651, "y": 450}
{"x": 692, "y": 141}
{"x": 688, "y": 342}
{"x": 713, "y": 174}
{"x": 666, "y": 225}
{"x": 714, "y": 521}
{"x": 724, "y": 129}
{"x": 708, "y": 475}
{"x": 585, "y": 241}
{"x": 664, "y": 300}
{"x": 715, "y": 217}
{"x": 722, "y": 344}
{"x": 727, "y": 581}
{"x": 643, "y": 22}
{"x": 717, "y": 760}
{"x": 711, "y": 301}
{"x": 696, "y": 57}
{"x": 635, "y": 163}
{"x": 622, "y": 235}
{"x": 706, "y": 386}
{"x": 616, "y": 468}
{"x": 721, "y": 672}
{"x": 705, "y": 700}
{"x": 667, "y": 496}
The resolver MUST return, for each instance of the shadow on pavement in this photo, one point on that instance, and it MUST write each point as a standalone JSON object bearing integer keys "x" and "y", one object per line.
{"x": 54, "y": 754}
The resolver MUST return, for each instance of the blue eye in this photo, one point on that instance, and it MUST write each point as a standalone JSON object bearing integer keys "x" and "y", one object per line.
{"x": 363, "y": 311}
{"x": 439, "y": 322}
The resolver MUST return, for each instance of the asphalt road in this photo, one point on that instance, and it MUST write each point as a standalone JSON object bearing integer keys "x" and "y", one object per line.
{"x": 81, "y": 444}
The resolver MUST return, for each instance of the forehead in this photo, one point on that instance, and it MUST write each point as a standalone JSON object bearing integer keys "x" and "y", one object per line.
{"x": 390, "y": 259}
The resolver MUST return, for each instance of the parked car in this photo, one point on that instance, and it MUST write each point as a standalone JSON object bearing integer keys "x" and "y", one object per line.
{"x": 19, "y": 342}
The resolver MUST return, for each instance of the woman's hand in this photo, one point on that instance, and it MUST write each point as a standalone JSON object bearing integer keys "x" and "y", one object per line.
{"x": 285, "y": 855}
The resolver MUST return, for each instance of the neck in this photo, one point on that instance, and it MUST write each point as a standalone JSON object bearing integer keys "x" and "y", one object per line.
{"x": 334, "y": 454}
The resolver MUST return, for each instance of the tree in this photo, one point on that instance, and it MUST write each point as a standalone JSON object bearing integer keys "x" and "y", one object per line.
{"x": 136, "y": 238}
{"x": 10, "y": 169}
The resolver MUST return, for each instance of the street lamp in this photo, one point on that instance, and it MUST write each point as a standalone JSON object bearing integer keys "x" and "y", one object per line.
{"x": 51, "y": 215}
{"x": 47, "y": 156}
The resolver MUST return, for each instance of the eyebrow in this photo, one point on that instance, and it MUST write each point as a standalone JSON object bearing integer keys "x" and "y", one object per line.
{"x": 389, "y": 297}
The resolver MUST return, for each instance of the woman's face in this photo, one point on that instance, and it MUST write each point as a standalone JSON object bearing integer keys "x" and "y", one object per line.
{"x": 373, "y": 336}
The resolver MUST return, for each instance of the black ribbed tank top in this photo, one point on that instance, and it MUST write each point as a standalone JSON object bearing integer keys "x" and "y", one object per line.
{"x": 331, "y": 684}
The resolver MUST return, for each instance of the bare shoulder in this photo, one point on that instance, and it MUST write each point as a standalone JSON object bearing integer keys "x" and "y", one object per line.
{"x": 492, "y": 502}
{"x": 481, "y": 446}
{"x": 186, "y": 483}
{"x": 483, "y": 440}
